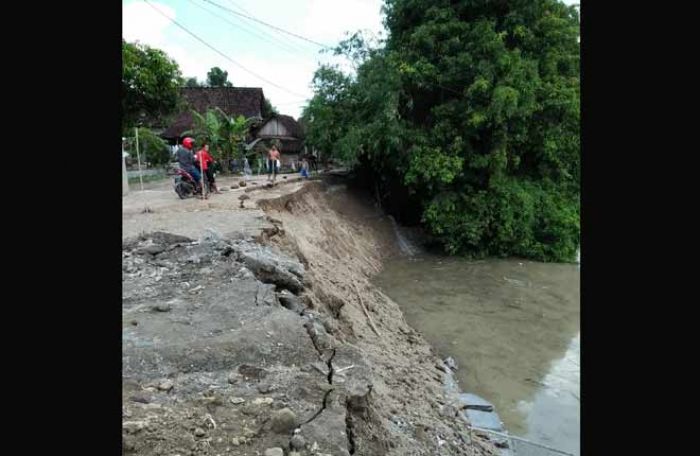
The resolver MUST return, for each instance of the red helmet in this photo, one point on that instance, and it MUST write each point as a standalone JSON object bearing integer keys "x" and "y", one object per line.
{"x": 188, "y": 143}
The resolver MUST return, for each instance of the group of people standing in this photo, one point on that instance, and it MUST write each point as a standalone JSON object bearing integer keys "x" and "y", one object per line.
{"x": 191, "y": 162}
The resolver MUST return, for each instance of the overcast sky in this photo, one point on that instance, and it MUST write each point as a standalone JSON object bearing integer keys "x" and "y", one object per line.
{"x": 281, "y": 64}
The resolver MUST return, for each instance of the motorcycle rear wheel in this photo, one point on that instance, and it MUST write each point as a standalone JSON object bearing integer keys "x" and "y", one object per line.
{"x": 183, "y": 190}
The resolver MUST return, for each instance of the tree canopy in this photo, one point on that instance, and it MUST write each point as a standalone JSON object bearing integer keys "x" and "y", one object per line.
{"x": 216, "y": 77}
{"x": 150, "y": 83}
{"x": 471, "y": 108}
{"x": 268, "y": 110}
{"x": 192, "y": 82}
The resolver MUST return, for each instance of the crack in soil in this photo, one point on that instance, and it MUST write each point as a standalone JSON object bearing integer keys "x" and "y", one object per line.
{"x": 313, "y": 335}
{"x": 360, "y": 405}
{"x": 323, "y": 407}
{"x": 349, "y": 427}
{"x": 331, "y": 369}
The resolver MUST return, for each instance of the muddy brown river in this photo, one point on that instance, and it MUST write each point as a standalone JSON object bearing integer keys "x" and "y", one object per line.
{"x": 512, "y": 326}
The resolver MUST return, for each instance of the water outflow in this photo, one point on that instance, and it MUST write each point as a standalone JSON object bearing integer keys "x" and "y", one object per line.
{"x": 406, "y": 247}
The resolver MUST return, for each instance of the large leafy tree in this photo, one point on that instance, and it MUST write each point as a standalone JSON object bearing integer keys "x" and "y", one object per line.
{"x": 216, "y": 77}
{"x": 473, "y": 107}
{"x": 150, "y": 83}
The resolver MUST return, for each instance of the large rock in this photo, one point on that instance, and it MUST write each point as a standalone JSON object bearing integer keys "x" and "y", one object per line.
{"x": 161, "y": 237}
{"x": 277, "y": 451}
{"x": 283, "y": 421}
{"x": 252, "y": 372}
{"x": 153, "y": 249}
{"x": 271, "y": 267}
{"x": 297, "y": 442}
{"x": 166, "y": 385}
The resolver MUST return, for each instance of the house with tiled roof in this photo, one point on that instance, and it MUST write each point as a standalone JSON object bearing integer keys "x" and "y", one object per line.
{"x": 279, "y": 129}
{"x": 234, "y": 101}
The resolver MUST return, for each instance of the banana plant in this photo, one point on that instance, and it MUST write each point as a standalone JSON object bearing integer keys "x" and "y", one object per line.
{"x": 225, "y": 134}
{"x": 207, "y": 130}
{"x": 235, "y": 130}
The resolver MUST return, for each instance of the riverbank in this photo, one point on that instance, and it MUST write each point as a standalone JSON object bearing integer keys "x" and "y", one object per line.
{"x": 254, "y": 343}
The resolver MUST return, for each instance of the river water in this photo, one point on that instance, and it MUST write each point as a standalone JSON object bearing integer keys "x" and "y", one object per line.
{"x": 512, "y": 326}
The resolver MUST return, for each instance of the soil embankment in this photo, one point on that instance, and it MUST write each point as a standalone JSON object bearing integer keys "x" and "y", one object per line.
{"x": 244, "y": 346}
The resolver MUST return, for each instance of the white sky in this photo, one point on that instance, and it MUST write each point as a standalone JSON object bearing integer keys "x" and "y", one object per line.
{"x": 281, "y": 59}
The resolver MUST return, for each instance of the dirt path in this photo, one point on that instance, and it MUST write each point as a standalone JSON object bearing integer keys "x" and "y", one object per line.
{"x": 160, "y": 209}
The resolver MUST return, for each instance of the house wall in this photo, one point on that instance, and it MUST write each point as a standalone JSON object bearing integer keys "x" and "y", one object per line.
{"x": 287, "y": 160}
{"x": 273, "y": 128}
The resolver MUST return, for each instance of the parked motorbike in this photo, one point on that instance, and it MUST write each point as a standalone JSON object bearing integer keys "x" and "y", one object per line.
{"x": 185, "y": 186}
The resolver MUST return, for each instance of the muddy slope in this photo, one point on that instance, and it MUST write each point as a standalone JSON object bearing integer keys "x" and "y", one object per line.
{"x": 252, "y": 347}
{"x": 342, "y": 238}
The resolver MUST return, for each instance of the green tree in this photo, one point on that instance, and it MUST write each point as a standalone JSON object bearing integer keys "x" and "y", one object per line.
{"x": 268, "y": 110}
{"x": 192, "y": 82}
{"x": 472, "y": 108}
{"x": 153, "y": 148}
{"x": 216, "y": 77}
{"x": 150, "y": 85}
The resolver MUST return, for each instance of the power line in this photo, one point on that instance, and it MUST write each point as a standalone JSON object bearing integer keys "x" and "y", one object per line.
{"x": 435, "y": 84}
{"x": 277, "y": 39}
{"x": 280, "y": 44}
{"x": 221, "y": 53}
{"x": 269, "y": 25}
{"x": 240, "y": 8}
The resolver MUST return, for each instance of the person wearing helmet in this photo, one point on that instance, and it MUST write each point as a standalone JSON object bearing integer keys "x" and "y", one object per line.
{"x": 185, "y": 158}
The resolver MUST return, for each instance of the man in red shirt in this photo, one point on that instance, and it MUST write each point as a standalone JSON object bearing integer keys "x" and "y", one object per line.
{"x": 206, "y": 160}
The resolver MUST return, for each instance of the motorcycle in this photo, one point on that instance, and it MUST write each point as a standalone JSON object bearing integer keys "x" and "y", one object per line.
{"x": 184, "y": 184}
